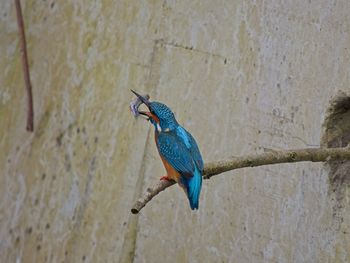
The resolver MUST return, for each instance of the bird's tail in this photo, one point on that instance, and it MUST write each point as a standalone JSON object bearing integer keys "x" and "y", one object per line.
{"x": 193, "y": 187}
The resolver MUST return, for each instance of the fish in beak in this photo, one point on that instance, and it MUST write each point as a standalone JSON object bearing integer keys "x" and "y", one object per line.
{"x": 135, "y": 104}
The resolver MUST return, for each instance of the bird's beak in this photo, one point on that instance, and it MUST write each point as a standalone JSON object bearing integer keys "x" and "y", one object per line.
{"x": 147, "y": 114}
{"x": 145, "y": 101}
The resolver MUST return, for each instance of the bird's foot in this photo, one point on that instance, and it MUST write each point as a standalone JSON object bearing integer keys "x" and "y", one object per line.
{"x": 165, "y": 177}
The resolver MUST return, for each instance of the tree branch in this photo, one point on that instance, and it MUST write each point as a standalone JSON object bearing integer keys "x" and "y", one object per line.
{"x": 24, "y": 56}
{"x": 274, "y": 157}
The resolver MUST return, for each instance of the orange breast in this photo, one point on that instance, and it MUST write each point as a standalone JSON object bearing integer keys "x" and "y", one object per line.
{"x": 171, "y": 172}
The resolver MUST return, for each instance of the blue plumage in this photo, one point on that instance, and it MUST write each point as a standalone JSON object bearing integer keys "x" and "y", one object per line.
{"x": 178, "y": 147}
{"x": 193, "y": 185}
{"x": 173, "y": 149}
{"x": 194, "y": 150}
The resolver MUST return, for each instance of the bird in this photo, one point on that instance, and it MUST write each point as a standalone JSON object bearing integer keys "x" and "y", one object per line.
{"x": 177, "y": 148}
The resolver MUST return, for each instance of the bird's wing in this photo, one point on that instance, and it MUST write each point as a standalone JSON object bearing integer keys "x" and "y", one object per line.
{"x": 192, "y": 146}
{"x": 173, "y": 149}
{"x": 195, "y": 153}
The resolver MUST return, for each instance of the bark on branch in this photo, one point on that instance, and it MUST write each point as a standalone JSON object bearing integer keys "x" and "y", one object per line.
{"x": 274, "y": 157}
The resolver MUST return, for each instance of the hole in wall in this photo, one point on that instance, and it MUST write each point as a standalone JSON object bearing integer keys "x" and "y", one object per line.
{"x": 336, "y": 133}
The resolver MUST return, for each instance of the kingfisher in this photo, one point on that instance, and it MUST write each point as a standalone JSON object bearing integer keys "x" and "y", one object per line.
{"x": 177, "y": 148}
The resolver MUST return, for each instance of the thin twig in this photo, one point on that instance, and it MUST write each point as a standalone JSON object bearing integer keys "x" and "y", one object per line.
{"x": 275, "y": 157}
{"x": 24, "y": 56}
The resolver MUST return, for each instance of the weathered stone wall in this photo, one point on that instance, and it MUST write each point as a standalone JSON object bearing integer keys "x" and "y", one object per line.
{"x": 242, "y": 76}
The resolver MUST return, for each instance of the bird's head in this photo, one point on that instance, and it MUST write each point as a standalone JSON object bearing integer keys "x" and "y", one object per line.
{"x": 159, "y": 114}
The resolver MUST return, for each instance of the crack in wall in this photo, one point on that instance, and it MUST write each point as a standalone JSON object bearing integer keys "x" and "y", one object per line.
{"x": 130, "y": 239}
{"x": 87, "y": 193}
{"x": 191, "y": 48}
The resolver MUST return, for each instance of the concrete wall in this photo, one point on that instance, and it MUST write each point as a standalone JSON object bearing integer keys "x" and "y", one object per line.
{"x": 242, "y": 76}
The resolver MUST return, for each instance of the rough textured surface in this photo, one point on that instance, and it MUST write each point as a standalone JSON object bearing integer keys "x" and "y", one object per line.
{"x": 242, "y": 76}
{"x": 337, "y": 133}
